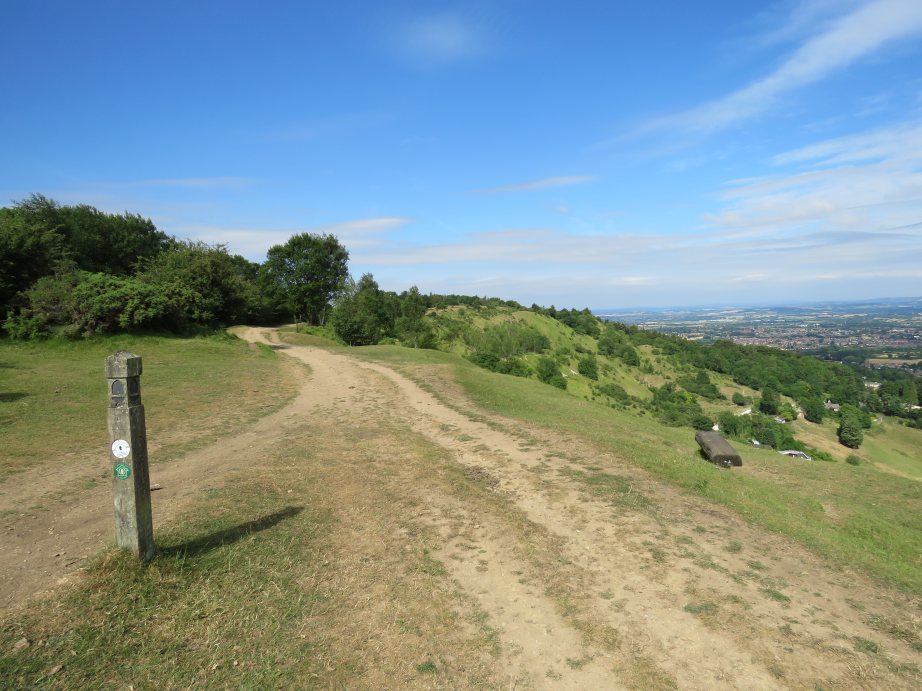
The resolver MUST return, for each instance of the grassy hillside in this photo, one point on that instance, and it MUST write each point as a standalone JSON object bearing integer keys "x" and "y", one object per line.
{"x": 855, "y": 515}
{"x": 55, "y": 391}
{"x": 323, "y": 561}
{"x": 627, "y": 373}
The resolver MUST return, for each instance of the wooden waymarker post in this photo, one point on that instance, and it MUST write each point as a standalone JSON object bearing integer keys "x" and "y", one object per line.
{"x": 134, "y": 525}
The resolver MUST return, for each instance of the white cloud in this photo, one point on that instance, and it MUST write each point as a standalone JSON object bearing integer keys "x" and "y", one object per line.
{"x": 543, "y": 183}
{"x": 896, "y": 143}
{"x": 871, "y": 181}
{"x": 363, "y": 233}
{"x": 850, "y": 37}
{"x": 249, "y": 242}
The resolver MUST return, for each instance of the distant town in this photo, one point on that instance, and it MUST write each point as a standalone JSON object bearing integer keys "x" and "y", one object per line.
{"x": 881, "y": 332}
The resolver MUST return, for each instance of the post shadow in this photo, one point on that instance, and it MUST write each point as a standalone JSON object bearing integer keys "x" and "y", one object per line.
{"x": 219, "y": 538}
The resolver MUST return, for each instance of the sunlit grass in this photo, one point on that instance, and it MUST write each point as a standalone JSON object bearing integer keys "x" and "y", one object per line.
{"x": 856, "y": 516}
{"x": 53, "y": 394}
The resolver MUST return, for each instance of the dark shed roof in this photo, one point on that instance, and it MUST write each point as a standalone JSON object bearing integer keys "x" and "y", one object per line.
{"x": 718, "y": 449}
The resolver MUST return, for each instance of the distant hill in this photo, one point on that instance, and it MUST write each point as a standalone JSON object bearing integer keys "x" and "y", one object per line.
{"x": 671, "y": 379}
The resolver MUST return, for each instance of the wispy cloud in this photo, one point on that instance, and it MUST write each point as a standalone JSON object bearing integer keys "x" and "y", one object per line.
{"x": 249, "y": 242}
{"x": 902, "y": 142}
{"x": 794, "y": 19}
{"x": 543, "y": 183}
{"x": 362, "y": 231}
{"x": 362, "y": 234}
{"x": 440, "y": 39}
{"x": 548, "y": 265}
{"x": 845, "y": 213}
{"x": 846, "y": 39}
{"x": 870, "y": 181}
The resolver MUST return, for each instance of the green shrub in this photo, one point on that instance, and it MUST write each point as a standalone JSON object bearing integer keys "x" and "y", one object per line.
{"x": 589, "y": 367}
{"x": 614, "y": 391}
{"x": 549, "y": 373}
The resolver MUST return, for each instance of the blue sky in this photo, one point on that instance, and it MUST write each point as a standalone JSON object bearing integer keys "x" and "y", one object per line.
{"x": 600, "y": 154}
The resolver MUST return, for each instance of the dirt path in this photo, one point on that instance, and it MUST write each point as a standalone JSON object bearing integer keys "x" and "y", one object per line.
{"x": 592, "y": 574}
{"x": 675, "y": 591}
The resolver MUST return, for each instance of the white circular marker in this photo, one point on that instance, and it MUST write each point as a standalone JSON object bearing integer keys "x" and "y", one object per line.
{"x": 121, "y": 448}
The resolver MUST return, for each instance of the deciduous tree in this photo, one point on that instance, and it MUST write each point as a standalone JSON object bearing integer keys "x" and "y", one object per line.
{"x": 308, "y": 270}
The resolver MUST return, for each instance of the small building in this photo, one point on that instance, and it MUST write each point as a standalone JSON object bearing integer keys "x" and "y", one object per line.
{"x": 717, "y": 449}
{"x": 834, "y": 407}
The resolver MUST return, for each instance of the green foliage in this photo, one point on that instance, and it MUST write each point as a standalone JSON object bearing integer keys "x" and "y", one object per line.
{"x": 411, "y": 327}
{"x": 95, "y": 241}
{"x": 190, "y": 285}
{"x": 739, "y": 399}
{"x": 701, "y": 384}
{"x": 852, "y": 459}
{"x": 898, "y": 396}
{"x": 106, "y": 304}
{"x": 861, "y": 416}
{"x": 762, "y": 428}
{"x": 787, "y": 412}
{"x": 732, "y": 425}
{"x": 214, "y": 284}
{"x": 615, "y": 392}
{"x": 588, "y": 366}
{"x": 361, "y": 316}
{"x": 514, "y": 366}
{"x": 28, "y": 251}
{"x": 814, "y": 410}
{"x": 677, "y": 408}
{"x": 549, "y": 372}
{"x": 849, "y": 432}
{"x": 69, "y": 270}
{"x": 307, "y": 272}
{"x": 582, "y": 321}
{"x": 614, "y": 343}
{"x": 701, "y": 421}
{"x": 47, "y": 305}
{"x": 770, "y": 403}
{"x": 768, "y": 432}
{"x": 507, "y": 339}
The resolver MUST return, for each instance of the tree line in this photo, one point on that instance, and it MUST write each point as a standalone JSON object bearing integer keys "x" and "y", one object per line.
{"x": 75, "y": 270}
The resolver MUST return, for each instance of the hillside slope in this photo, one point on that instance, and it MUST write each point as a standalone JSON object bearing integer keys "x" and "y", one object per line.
{"x": 674, "y": 381}
{"x": 396, "y": 531}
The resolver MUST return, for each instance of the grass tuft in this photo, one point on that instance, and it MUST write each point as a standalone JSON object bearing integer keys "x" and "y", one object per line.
{"x": 703, "y": 608}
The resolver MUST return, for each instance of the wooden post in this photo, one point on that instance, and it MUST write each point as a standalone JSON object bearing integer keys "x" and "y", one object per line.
{"x": 134, "y": 526}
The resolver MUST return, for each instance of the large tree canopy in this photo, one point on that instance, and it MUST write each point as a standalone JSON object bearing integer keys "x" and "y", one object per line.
{"x": 308, "y": 271}
{"x": 95, "y": 240}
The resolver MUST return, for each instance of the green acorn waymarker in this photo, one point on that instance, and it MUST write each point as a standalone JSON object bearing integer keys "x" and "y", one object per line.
{"x": 134, "y": 526}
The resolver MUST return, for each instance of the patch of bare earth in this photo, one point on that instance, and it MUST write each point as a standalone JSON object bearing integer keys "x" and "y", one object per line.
{"x": 476, "y": 551}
